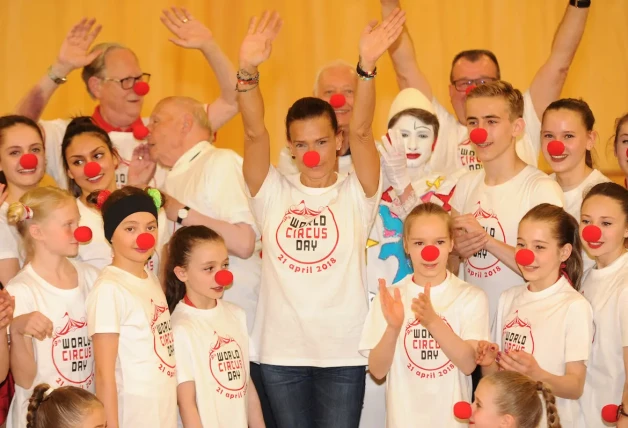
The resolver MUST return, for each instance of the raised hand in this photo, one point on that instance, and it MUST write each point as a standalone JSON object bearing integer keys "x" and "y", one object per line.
{"x": 7, "y": 306}
{"x": 376, "y": 39}
{"x": 190, "y": 33}
{"x": 520, "y": 361}
{"x": 486, "y": 353}
{"x": 392, "y": 307}
{"x": 34, "y": 324}
{"x": 142, "y": 167}
{"x": 257, "y": 45}
{"x": 422, "y": 307}
{"x": 394, "y": 162}
{"x": 74, "y": 52}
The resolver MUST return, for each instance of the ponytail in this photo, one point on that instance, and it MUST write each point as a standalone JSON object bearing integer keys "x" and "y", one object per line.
{"x": 67, "y": 406}
{"x": 553, "y": 420}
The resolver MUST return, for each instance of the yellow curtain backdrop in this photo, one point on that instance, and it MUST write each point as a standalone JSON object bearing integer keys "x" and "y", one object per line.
{"x": 315, "y": 32}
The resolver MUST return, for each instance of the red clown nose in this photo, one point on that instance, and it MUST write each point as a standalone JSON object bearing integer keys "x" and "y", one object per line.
{"x": 141, "y": 88}
{"x": 610, "y": 413}
{"x": 524, "y": 257}
{"x": 462, "y": 410}
{"x": 469, "y": 89}
{"x": 29, "y": 161}
{"x": 430, "y": 253}
{"x": 478, "y": 135}
{"x": 591, "y": 233}
{"x": 92, "y": 169}
{"x": 140, "y": 132}
{"x": 223, "y": 278}
{"x": 555, "y": 148}
{"x": 83, "y": 234}
{"x": 311, "y": 159}
{"x": 337, "y": 100}
{"x": 145, "y": 241}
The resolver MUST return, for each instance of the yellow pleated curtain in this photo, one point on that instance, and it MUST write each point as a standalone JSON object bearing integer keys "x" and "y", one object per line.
{"x": 316, "y": 32}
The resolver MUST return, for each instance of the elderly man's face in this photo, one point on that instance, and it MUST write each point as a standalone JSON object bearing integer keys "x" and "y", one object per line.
{"x": 166, "y": 128}
{"x": 120, "y": 64}
{"x": 338, "y": 80}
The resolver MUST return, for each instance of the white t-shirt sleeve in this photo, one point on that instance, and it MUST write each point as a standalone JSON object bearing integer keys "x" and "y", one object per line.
{"x": 533, "y": 124}
{"x": 374, "y": 327}
{"x": 622, "y": 304}
{"x": 547, "y": 191}
{"x": 24, "y": 300}
{"x": 105, "y": 309}
{"x": 579, "y": 331}
{"x": 368, "y": 206}
{"x": 476, "y": 324}
{"x": 184, "y": 349}
{"x": 264, "y": 198}
{"x": 9, "y": 247}
{"x": 54, "y": 130}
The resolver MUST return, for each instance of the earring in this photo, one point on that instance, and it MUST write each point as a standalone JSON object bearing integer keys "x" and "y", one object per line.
{"x": 293, "y": 157}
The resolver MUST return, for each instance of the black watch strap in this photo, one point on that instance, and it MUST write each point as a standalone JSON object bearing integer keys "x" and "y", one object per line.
{"x": 580, "y": 4}
{"x": 179, "y": 219}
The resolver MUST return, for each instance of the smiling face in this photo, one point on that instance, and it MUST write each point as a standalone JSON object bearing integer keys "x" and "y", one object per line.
{"x": 205, "y": 259}
{"x": 339, "y": 79}
{"x": 418, "y": 138}
{"x": 607, "y": 214}
{"x": 566, "y": 126}
{"x": 430, "y": 229}
{"x": 17, "y": 141}
{"x": 315, "y": 134}
{"x": 465, "y": 70}
{"x": 86, "y": 148}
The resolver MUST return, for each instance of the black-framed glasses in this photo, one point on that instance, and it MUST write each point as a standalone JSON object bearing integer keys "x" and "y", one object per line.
{"x": 462, "y": 84}
{"x": 129, "y": 82}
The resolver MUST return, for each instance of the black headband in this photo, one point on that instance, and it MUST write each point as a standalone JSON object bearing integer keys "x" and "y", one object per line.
{"x": 124, "y": 207}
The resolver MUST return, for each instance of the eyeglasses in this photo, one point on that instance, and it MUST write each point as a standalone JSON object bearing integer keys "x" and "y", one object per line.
{"x": 462, "y": 84}
{"x": 129, "y": 82}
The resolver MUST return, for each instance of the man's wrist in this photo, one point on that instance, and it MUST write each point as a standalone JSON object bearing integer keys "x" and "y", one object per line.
{"x": 580, "y": 4}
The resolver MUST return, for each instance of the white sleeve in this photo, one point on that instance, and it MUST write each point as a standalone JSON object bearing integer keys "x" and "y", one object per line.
{"x": 286, "y": 165}
{"x": 90, "y": 274}
{"x": 54, "y": 130}
{"x": 374, "y": 327}
{"x": 476, "y": 324}
{"x": 444, "y": 155}
{"x": 184, "y": 349}
{"x": 105, "y": 309}
{"x": 533, "y": 124}
{"x": 547, "y": 191}
{"x": 9, "y": 246}
{"x": 367, "y": 207}
{"x": 498, "y": 322}
{"x": 579, "y": 331}
{"x": 24, "y": 300}
{"x": 622, "y": 304}
{"x": 265, "y": 197}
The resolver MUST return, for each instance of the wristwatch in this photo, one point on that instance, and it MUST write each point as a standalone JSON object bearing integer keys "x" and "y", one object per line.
{"x": 56, "y": 79}
{"x": 182, "y": 214}
{"x": 580, "y": 4}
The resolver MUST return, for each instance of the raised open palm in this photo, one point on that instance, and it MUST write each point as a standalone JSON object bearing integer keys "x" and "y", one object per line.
{"x": 392, "y": 306}
{"x": 376, "y": 39}
{"x": 190, "y": 32}
{"x": 74, "y": 52}
{"x": 257, "y": 44}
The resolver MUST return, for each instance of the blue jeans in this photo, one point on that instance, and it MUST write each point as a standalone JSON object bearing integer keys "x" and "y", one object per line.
{"x": 315, "y": 397}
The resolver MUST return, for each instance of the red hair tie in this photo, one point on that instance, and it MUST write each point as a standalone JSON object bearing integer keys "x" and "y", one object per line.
{"x": 102, "y": 197}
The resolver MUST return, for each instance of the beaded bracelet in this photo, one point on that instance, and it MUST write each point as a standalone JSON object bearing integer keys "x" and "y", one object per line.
{"x": 365, "y": 75}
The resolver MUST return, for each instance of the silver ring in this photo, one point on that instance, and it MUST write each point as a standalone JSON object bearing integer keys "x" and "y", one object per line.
{"x": 141, "y": 158}
{"x": 185, "y": 20}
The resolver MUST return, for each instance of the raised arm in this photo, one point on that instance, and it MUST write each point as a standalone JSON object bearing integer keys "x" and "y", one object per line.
{"x": 374, "y": 41}
{"x": 192, "y": 34}
{"x": 255, "y": 49}
{"x": 404, "y": 58}
{"x": 550, "y": 79}
{"x": 74, "y": 54}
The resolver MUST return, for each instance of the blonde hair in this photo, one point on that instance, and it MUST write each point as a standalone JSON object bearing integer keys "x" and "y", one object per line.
{"x": 426, "y": 209}
{"x": 518, "y": 395}
{"x": 42, "y": 201}
{"x": 67, "y": 406}
{"x": 97, "y": 66}
{"x": 194, "y": 107}
{"x": 502, "y": 89}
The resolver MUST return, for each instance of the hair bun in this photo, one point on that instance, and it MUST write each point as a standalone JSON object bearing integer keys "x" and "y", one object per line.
{"x": 81, "y": 121}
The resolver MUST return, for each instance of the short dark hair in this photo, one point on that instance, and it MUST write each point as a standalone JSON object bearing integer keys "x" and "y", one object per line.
{"x": 423, "y": 115}
{"x": 308, "y": 108}
{"x": 474, "y": 55}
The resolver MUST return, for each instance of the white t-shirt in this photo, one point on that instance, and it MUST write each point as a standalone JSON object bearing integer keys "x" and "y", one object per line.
{"x": 10, "y": 240}
{"x": 554, "y": 325}
{"x": 420, "y": 370}
{"x": 136, "y": 309}
{"x": 499, "y": 210}
{"x": 607, "y": 291}
{"x": 573, "y": 203}
{"x": 386, "y": 257}
{"x": 286, "y": 164}
{"x": 66, "y": 359}
{"x": 98, "y": 251}
{"x": 210, "y": 181}
{"x": 454, "y": 150}
{"x": 124, "y": 142}
{"x": 213, "y": 352}
{"x": 313, "y": 296}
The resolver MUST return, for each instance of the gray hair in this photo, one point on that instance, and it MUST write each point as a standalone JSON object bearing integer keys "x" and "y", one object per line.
{"x": 191, "y": 105}
{"x": 97, "y": 66}
{"x": 339, "y": 63}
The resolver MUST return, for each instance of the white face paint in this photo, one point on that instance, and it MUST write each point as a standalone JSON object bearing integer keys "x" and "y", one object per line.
{"x": 418, "y": 138}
